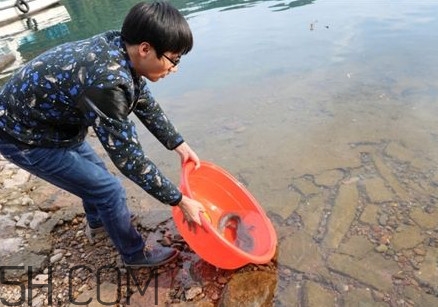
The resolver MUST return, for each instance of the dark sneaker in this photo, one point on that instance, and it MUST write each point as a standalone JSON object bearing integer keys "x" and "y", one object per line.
{"x": 97, "y": 234}
{"x": 152, "y": 257}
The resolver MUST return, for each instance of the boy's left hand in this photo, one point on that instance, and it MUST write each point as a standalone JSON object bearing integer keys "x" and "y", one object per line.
{"x": 187, "y": 154}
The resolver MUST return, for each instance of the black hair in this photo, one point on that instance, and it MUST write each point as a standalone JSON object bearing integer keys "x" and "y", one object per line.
{"x": 159, "y": 24}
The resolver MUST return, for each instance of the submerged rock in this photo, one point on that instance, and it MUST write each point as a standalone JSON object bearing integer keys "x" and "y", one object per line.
{"x": 247, "y": 289}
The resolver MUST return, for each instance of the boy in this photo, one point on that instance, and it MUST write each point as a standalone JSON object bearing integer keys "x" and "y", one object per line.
{"x": 48, "y": 105}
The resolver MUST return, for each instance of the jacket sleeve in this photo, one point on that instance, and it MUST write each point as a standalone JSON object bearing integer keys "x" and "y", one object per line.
{"x": 155, "y": 120}
{"x": 108, "y": 111}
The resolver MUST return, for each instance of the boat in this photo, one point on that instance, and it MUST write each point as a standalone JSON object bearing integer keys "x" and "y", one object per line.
{"x": 13, "y": 10}
{"x": 21, "y": 33}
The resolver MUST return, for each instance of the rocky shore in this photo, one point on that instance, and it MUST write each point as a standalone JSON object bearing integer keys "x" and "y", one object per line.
{"x": 43, "y": 248}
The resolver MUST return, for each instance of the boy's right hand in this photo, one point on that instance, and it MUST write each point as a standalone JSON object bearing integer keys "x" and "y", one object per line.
{"x": 191, "y": 209}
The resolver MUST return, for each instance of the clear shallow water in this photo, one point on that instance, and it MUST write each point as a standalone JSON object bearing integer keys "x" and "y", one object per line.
{"x": 274, "y": 90}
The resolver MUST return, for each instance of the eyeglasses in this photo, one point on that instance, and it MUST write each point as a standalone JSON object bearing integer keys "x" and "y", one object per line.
{"x": 174, "y": 62}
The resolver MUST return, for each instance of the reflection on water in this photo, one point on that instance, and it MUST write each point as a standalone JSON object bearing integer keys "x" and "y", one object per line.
{"x": 192, "y": 7}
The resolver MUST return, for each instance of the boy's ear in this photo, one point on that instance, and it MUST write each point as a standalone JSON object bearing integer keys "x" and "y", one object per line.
{"x": 144, "y": 48}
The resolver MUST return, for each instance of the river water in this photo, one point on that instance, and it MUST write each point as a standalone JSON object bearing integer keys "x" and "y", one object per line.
{"x": 275, "y": 88}
{"x": 279, "y": 90}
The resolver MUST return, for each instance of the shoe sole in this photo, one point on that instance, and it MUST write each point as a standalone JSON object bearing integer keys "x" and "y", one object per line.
{"x": 167, "y": 260}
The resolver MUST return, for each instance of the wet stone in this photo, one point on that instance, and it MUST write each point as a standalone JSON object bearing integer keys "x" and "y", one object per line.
{"x": 151, "y": 296}
{"x": 377, "y": 190}
{"x": 401, "y": 153}
{"x": 356, "y": 246}
{"x": 383, "y": 219}
{"x": 407, "y": 237}
{"x": 249, "y": 289}
{"x": 381, "y": 248}
{"x": 329, "y": 178}
{"x": 288, "y": 296}
{"x": 293, "y": 201}
{"x": 311, "y": 212}
{"x": 342, "y": 216}
{"x": 424, "y": 218}
{"x": 369, "y": 214}
{"x": 371, "y": 270}
{"x": 427, "y": 272}
{"x": 192, "y": 292}
{"x": 316, "y": 296}
{"x": 300, "y": 253}
{"x": 419, "y": 297}
{"x": 305, "y": 186}
{"x": 363, "y": 298}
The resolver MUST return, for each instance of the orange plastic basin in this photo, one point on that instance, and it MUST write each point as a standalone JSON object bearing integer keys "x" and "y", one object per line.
{"x": 247, "y": 237}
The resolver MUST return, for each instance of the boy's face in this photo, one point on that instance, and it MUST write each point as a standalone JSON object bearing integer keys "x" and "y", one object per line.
{"x": 152, "y": 67}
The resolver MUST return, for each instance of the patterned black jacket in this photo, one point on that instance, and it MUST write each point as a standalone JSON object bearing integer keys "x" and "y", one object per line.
{"x": 54, "y": 98}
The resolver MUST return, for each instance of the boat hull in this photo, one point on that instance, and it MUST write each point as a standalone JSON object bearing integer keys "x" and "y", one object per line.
{"x": 9, "y": 12}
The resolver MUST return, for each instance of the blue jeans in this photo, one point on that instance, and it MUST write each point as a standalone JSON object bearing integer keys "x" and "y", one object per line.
{"x": 80, "y": 171}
